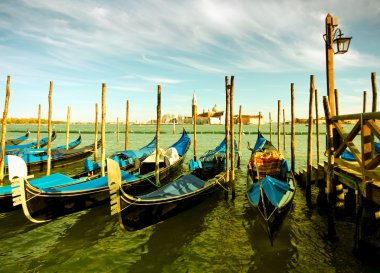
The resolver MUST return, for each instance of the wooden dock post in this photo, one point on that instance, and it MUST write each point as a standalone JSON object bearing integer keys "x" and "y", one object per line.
{"x": 293, "y": 129}
{"x": 195, "y": 113}
{"x": 232, "y": 131}
{"x": 49, "y": 128}
{"x": 68, "y": 128}
{"x": 227, "y": 129}
{"x": 270, "y": 127}
{"x": 4, "y": 128}
{"x": 283, "y": 127}
{"x": 374, "y": 91}
{"x": 103, "y": 150}
{"x": 317, "y": 127}
{"x": 278, "y": 125}
{"x": 96, "y": 133}
{"x": 173, "y": 126}
{"x": 240, "y": 135}
{"x": 158, "y": 124}
{"x": 364, "y": 101}
{"x": 126, "y": 126}
{"x": 39, "y": 126}
{"x": 330, "y": 172}
{"x": 309, "y": 142}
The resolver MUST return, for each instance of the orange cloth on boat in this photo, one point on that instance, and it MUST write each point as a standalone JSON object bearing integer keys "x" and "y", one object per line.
{"x": 267, "y": 162}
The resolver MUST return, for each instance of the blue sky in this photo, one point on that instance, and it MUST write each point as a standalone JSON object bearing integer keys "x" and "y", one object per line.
{"x": 133, "y": 46}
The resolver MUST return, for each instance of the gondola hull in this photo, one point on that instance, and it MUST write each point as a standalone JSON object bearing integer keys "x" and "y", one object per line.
{"x": 71, "y": 194}
{"x": 16, "y": 141}
{"x": 136, "y": 213}
{"x": 45, "y": 206}
{"x": 270, "y": 185}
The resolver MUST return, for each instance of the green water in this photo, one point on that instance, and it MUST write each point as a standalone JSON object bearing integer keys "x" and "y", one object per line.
{"x": 217, "y": 235}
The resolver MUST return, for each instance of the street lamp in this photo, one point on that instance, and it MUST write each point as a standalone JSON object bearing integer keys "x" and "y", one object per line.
{"x": 335, "y": 43}
{"x": 340, "y": 43}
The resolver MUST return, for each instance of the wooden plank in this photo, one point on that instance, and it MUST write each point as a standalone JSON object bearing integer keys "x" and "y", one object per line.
{"x": 370, "y": 115}
{"x": 355, "y": 169}
{"x": 355, "y": 152}
{"x": 373, "y": 163}
{"x": 374, "y": 128}
{"x": 349, "y": 137}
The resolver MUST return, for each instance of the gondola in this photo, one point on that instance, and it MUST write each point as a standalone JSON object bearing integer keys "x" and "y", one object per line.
{"x": 137, "y": 212}
{"x": 49, "y": 197}
{"x": 11, "y": 149}
{"x": 270, "y": 184}
{"x": 36, "y": 159}
{"x": 18, "y": 140}
{"x": 6, "y": 190}
{"x": 126, "y": 159}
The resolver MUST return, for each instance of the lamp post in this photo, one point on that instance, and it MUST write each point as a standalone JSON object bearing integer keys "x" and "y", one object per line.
{"x": 335, "y": 43}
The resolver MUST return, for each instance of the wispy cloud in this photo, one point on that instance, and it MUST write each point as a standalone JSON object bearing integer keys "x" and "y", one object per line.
{"x": 84, "y": 43}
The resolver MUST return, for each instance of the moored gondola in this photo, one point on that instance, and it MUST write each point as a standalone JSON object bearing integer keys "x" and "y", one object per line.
{"x": 18, "y": 140}
{"x": 137, "y": 212}
{"x": 49, "y": 197}
{"x": 270, "y": 184}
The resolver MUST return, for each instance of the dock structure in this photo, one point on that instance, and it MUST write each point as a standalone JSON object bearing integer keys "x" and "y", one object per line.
{"x": 353, "y": 182}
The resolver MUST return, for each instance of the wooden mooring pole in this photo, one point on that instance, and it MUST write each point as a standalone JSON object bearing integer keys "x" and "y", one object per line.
{"x": 68, "y": 128}
{"x": 374, "y": 91}
{"x": 330, "y": 172}
{"x": 309, "y": 142}
{"x": 336, "y": 94}
{"x": 49, "y": 128}
{"x": 364, "y": 101}
{"x": 232, "y": 131}
{"x": 39, "y": 126}
{"x": 103, "y": 150}
{"x": 227, "y": 129}
{"x": 278, "y": 125}
{"x": 195, "y": 113}
{"x": 317, "y": 128}
{"x": 293, "y": 129}
{"x": 117, "y": 129}
{"x": 126, "y": 126}
{"x": 158, "y": 124}
{"x": 270, "y": 127}
{"x": 96, "y": 133}
{"x": 4, "y": 128}
{"x": 259, "y": 125}
{"x": 283, "y": 127}
{"x": 240, "y": 135}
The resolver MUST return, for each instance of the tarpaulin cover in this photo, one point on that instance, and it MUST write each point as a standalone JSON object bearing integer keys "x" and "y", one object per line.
{"x": 273, "y": 188}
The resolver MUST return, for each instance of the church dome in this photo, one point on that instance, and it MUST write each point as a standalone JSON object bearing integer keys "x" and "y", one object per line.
{"x": 215, "y": 108}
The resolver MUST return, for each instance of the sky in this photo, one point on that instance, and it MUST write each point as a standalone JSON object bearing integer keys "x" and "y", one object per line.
{"x": 185, "y": 46}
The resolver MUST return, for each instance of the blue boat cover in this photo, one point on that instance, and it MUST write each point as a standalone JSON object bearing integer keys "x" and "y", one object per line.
{"x": 10, "y": 148}
{"x": 183, "y": 185}
{"x": 259, "y": 143}
{"x": 182, "y": 144}
{"x": 55, "y": 179}
{"x": 141, "y": 153}
{"x": 195, "y": 164}
{"x": 347, "y": 155}
{"x": 222, "y": 146}
{"x": 273, "y": 188}
{"x": 377, "y": 147}
{"x": 77, "y": 185}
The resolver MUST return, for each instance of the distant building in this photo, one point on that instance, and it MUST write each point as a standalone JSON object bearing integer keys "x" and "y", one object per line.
{"x": 250, "y": 119}
{"x": 215, "y": 116}
{"x": 208, "y": 117}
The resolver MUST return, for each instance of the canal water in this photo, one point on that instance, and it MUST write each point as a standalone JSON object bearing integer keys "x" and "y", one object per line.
{"x": 217, "y": 235}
